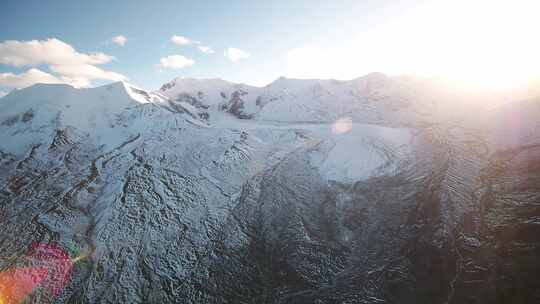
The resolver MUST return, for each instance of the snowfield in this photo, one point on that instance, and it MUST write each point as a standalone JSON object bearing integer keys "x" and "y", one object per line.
{"x": 375, "y": 190}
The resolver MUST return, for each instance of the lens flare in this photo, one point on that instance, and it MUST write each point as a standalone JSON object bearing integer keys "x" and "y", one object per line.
{"x": 16, "y": 284}
{"x": 342, "y": 125}
{"x": 50, "y": 271}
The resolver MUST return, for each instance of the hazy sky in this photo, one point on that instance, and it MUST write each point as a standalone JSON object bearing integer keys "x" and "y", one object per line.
{"x": 150, "y": 42}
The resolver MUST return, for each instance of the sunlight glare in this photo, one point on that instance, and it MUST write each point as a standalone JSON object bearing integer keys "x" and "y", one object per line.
{"x": 342, "y": 125}
{"x": 477, "y": 44}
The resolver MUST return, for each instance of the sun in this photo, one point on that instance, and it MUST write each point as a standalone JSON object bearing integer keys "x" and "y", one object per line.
{"x": 487, "y": 44}
{"x": 483, "y": 44}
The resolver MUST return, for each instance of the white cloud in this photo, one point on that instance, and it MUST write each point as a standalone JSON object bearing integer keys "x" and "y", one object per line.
{"x": 120, "y": 40}
{"x": 27, "y": 78}
{"x": 78, "y": 82}
{"x": 50, "y": 51}
{"x": 235, "y": 55}
{"x": 2, "y": 94}
{"x": 175, "y": 62}
{"x": 62, "y": 59}
{"x": 86, "y": 71}
{"x": 34, "y": 76}
{"x": 181, "y": 40}
{"x": 206, "y": 49}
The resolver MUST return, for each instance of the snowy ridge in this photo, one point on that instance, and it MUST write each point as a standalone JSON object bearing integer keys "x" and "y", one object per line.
{"x": 107, "y": 113}
{"x": 373, "y": 98}
{"x": 381, "y": 110}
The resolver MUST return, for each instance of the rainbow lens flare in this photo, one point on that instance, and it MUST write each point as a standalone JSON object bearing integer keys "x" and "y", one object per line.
{"x": 50, "y": 271}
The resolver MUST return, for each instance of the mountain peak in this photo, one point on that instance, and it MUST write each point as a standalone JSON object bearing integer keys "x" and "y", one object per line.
{"x": 374, "y": 75}
{"x": 188, "y": 84}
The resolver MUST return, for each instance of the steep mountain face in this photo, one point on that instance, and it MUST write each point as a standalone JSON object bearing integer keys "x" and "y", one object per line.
{"x": 374, "y": 190}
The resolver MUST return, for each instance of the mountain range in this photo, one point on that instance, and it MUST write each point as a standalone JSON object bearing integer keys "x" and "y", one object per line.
{"x": 378, "y": 189}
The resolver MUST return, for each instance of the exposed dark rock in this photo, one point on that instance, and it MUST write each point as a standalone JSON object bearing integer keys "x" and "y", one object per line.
{"x": 27, "y": 116}
{"x": 235, "y": 105}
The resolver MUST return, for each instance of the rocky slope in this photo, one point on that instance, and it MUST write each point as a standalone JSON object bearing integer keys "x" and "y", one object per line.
{"x": 375, "y": 190}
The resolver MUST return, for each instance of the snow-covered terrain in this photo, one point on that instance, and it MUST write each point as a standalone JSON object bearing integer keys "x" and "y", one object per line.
{"x": 112, "y": 114}
{"x": 107, "y": 113}
{"x": 370, "y": 98}
{"x": 374, "y": 190}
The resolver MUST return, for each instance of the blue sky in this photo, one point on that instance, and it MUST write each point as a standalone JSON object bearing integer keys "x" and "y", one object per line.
{"x": 267, "y": 30}
{"x": 339, "y": 39}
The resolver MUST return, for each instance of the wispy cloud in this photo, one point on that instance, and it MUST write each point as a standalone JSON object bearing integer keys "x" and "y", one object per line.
{"x": 50, "y": 51}
{"x": 175, "y": 62}
{"x": 33, "y": 76}
{"x": 235, "y": 55}
{"x": 69, "y": 65}
{"x": 86, "y": 71}
{"x": 206, "y": 49}
{"x": 181, "y": 40}
{"x": 120, "y": 40}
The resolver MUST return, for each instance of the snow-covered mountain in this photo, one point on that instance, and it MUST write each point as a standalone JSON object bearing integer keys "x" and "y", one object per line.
{"x": 106, "y": 114}
{"x": 373, "y": 98}
{"x": 368, "y": 98}
{"x": 374, "y": 190}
